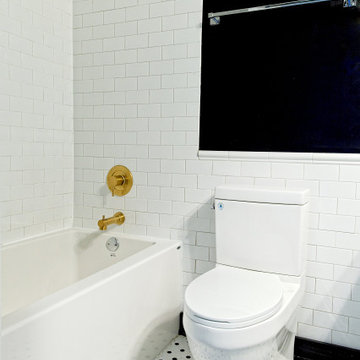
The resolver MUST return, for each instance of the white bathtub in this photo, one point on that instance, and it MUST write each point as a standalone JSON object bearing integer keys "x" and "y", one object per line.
{"x": 66, "y": 297}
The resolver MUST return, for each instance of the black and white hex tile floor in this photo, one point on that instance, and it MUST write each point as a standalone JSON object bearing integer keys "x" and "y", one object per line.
{"x": 178, "y": 349}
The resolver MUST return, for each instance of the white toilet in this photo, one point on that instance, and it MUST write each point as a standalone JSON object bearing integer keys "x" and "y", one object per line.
{"x": 245, "y": 308}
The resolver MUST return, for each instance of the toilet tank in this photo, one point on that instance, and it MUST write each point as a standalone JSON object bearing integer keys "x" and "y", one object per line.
{"x": 261, "y": 229}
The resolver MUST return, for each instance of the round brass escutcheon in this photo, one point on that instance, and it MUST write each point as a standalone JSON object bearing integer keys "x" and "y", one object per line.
{"x": 119, "y": 180}
{"x": 120, "y": 218}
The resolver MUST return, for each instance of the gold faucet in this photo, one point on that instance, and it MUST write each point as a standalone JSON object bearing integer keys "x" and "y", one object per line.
{"x": 118, "y": 218}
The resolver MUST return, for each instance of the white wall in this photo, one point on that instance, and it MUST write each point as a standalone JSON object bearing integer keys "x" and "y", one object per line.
{"x": 137, "y": 67}
{"x": 36, "y": 119}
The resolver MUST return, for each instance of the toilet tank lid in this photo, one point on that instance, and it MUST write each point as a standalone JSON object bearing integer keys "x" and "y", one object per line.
{"x": 262, "y": 195}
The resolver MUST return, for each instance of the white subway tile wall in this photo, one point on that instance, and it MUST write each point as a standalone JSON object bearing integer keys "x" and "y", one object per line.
{"x": 137, "y": 76}
{"x": 133, "y": 99}
{"x": 36, "y": 117}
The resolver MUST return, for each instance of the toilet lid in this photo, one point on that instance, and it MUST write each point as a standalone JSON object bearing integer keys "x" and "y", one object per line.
{"x": 231, "y": 297}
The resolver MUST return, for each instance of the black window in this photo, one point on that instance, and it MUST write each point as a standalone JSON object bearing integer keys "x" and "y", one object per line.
{"x": 286, "y": 79}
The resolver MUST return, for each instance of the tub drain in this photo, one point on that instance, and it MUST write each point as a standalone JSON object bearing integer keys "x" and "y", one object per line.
{"x": 112, "y": 244}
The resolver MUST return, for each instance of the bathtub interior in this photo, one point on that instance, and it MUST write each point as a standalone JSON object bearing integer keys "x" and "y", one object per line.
{"x": 35, "y": 268}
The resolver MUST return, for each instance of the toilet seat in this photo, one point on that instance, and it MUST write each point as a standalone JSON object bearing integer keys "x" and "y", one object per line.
{"x": 231, "y": 298}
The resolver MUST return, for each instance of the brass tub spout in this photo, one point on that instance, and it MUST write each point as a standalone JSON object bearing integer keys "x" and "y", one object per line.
{"x": 118, "y": 219}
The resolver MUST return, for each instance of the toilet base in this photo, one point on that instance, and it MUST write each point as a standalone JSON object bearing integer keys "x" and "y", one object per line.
{"x": 279, "y": 348}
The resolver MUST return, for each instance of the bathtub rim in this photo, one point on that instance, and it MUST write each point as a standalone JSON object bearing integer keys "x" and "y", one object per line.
{"x": 24, "y": 315}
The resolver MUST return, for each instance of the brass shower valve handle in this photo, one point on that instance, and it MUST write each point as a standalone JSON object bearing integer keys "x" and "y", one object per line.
{"x": 119, "y": 180}
{"x": 118, "y": 219}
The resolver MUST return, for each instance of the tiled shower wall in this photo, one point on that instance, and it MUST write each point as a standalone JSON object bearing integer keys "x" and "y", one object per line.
{"x": 36, "y": 118}
{"x": 137, "y": 67}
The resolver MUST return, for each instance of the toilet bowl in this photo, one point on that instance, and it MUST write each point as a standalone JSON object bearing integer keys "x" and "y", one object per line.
{"x": 236, "y": 313}
{"x": 233, "y": 310}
